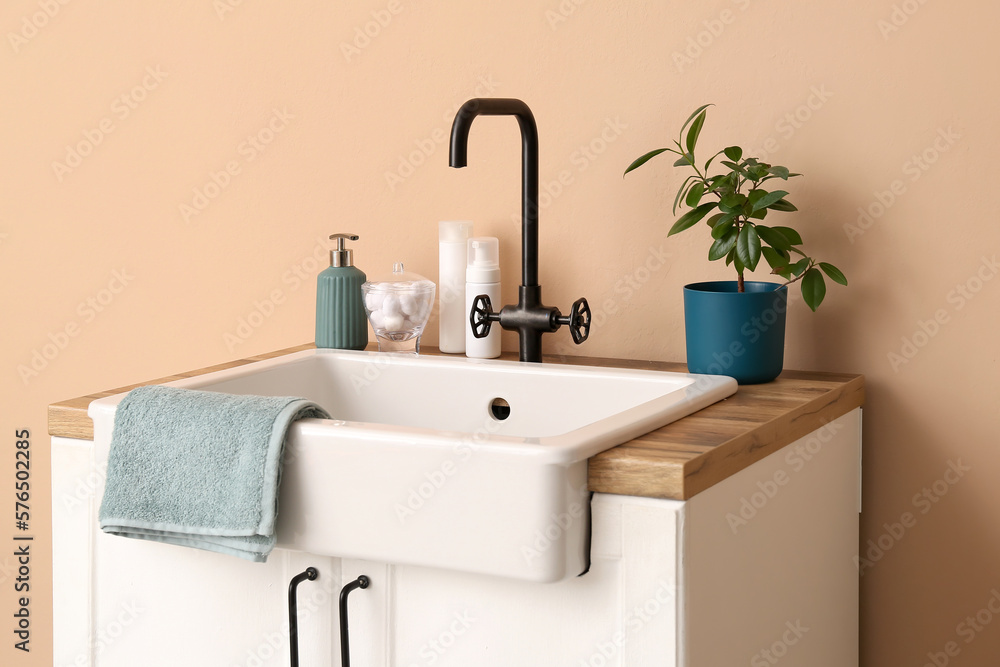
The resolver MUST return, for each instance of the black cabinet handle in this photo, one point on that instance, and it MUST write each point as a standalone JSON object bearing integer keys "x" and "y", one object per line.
{"x": 311, "y": 574}
{"x": 345, "y": 648}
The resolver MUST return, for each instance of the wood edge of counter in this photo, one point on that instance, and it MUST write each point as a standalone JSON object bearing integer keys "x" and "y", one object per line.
{"x": 623, "y": 470}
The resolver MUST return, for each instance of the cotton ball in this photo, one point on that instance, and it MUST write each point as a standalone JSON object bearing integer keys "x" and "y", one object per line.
{"x": 391, "y": 305}
{"x": 376, "y": 319}
{"x": 424, "y": 306}
{"x": 374, "y": 300}
{"x": 393, "y": 322}
{"x": 409, "y": 302}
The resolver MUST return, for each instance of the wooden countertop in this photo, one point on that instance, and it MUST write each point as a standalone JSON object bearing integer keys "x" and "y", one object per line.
{"x": 676, "y": 461}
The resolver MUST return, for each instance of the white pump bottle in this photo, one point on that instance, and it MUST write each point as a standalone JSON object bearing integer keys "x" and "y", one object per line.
{"x": 482, "y": 276}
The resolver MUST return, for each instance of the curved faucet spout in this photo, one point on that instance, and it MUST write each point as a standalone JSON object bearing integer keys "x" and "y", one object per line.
{"x": 459, "y": 154}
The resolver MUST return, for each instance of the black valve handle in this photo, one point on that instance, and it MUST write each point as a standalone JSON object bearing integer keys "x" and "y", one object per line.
{"x": 481, "y": 317}
{"x": 578, "y": 320}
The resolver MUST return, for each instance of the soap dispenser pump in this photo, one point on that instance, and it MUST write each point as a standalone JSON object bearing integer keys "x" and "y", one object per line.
{"x": 340, "y": 313}
{"x": 482, "y": 277}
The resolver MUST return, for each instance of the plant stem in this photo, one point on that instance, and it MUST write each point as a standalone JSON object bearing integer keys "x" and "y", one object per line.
{"x": 739, "y": 282}
{"x": 812, "y": 263}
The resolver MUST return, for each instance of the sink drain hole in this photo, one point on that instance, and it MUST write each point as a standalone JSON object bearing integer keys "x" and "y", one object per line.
{"x": 500, "y": 409}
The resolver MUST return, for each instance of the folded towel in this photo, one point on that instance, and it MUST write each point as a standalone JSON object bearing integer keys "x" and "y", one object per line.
{"x": 199, "y": 468}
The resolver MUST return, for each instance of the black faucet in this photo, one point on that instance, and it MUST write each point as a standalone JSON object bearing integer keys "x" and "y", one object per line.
{"x": 529, "y": 317}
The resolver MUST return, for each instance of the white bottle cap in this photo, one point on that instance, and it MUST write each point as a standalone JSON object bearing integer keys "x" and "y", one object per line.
{"x": 484, "y": 260}
{"x": 454, "y": 231}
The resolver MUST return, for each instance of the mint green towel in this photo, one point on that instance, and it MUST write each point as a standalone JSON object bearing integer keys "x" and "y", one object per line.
{"x": 199, "y": 468}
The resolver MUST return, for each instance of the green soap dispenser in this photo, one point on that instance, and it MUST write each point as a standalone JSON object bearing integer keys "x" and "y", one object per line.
{"x": 340, "y": 312}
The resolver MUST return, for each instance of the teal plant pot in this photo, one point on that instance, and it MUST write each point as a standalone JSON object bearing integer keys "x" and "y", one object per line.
{"x": 734, "y": 334}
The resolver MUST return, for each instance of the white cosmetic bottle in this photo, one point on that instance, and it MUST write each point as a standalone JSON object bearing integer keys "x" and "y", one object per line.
{"x": 453, "y": 320}
{"x": 482, "y": 276}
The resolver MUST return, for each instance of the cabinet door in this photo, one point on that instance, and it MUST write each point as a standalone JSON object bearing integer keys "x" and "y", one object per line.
{"x": 122, "y": 602}
{"x": 770, "y": 572}
{"x": 622, "y": 612}
{"x": 164, "y": 605}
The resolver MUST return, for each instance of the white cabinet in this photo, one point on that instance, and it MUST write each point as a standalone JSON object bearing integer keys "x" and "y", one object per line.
{"x": 757, "y": 569}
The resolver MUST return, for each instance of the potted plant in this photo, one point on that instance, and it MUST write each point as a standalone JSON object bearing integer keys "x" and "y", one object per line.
{"x": 737, "y": 328}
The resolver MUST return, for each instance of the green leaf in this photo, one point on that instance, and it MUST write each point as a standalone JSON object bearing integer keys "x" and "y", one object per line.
{"x": 718, "y": 183}
{"x": 748, "y": 247}
{"x": 731, "y": 256}
{"x": 777, "y": 261}
{"x": 694, "y": 194}
{"x": 644, "y": 159}
{"x": 682, "y": 190}
{"x": 735, "y": 167}
{"x": 732, "y": 202}
{"x": 773, "y": 238}
{"x": 685, "y": 160}
{"x": 721, "y": 247}
{"x": 790, "y": 234}
{"x": 709, "y": 163}
{"x": 768, "y": 199}
{"x": 692, "y": 138}
{"x": 798, "y": 267}
{"x": 780, "y": 172}
{"x": 759, "y": 215}
{"x": 723, "y": 224}
{"x": 691, "y": 218}
{"x": 835, "y": 274}
{"x": 813, "y": 288}
{"x": 693, "y": 114}
{"x": 783, "y": 205}
{"x": 734, "y": 153}
{"x": 714, "y": 219}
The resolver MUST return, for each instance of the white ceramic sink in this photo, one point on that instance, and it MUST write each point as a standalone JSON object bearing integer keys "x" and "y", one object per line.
{"x": 420, "y": 467}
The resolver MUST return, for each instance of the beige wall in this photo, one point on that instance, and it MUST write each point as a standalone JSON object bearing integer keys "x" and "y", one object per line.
{"x": 845, "y": 92}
